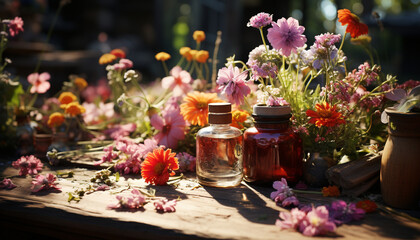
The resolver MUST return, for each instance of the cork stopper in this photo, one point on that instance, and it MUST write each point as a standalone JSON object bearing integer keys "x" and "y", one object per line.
{"x": 220, "y": 113}
{"x": 272, "y": 110}
{"x": 220, "y": 107}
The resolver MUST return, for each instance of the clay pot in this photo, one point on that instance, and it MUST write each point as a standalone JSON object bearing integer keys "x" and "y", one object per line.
{"x": 400, "y": 165}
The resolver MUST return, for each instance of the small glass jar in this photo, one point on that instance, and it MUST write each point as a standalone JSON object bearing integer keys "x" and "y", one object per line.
{"x": 272, "y": 150}
{"x": 219, "y": 149}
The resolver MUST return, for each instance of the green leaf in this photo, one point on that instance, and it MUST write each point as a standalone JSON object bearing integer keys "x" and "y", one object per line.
{"x": 117, "y": 176}
{"x": 13, "y": 93}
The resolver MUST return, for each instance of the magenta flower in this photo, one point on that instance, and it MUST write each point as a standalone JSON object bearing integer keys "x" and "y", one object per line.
{"x": 15, "y": 26}
{"x": 340, "y": 212}
{"x": 171, "y": 127}
{"x": 284, "y": 195}
{"x": 232, "y": 83}
{"x": 133, "y": 201}
{"x": 7, "y": 184}
{"x": 260, "y": 20}
{"x": 39, "y": 82}
{"x": 316, "y": 222}
{"x": 179, "y": 81}
{"x": 276, "y": 101}
{"x": 28, "y": 165}
{"x": 290, "y": 220}
{"x": 286, "y": 35}
{"x": 44, "y": 182}
{"x": 163, "y": 205}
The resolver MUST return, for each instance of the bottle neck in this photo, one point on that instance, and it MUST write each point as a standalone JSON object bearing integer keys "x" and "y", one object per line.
{"x": 220, "y": 126}
{"x": 280, "y": 126}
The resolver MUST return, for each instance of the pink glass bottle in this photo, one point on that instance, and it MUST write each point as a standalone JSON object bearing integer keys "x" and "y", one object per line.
{"x": 272, "y": 150}
{"x": 219, "y": 149}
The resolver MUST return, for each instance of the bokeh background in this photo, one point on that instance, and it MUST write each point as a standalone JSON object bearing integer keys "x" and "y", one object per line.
{"x": 84, "y": 30}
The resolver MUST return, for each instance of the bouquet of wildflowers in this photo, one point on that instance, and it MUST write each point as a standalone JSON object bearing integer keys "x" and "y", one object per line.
{"x": 333, "y": 108}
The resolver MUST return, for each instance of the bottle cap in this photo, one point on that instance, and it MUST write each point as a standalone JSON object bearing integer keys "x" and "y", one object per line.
{"x": 271, "y": 110}
{"x": 220, "y": 107}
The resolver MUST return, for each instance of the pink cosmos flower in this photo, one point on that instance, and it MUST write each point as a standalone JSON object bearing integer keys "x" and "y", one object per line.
{"x": 133, "y": 201}
{"x": 95, "y": 113}
{"x": 171, "y": 127}
{"x": 163, "y": 205}
{"x": 102, "y": 91}
{"x": 39, "y": 82}
{"x": 123, "y": 64}
{"x": 260, "y": 20}
{"x": 7, "y": 184}
{"x": 28, "y": 165}
{"x": 316, "y": 222}
{"x": 15, "y": 26}
{"x": 232, "y": 82}
{"x": 44, "y": 182}
{"x": 179, "y": 81}
{"x": 286, "y": 35}
{"x": 290, "y": 220}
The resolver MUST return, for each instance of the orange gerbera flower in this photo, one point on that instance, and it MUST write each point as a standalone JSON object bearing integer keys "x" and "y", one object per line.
{"x": 80, "y": 83}
{"x": 158, "y": 166}
{"x": 199, "y": 36}
{"x": 195, "y": 107}
{"x": 202, "y": 56}
{"x": 238, "y": 118}
{"x": 107, "y": 58}
{"x": 162, "y": 56}
{"x": 331, "y": 191}
{"x": 325, "y": 115}
{"x": 367, "y": 205}
{"x": 185, "y": 52}
{"x": 74, "y": 109}
{"x": 119, "y": 53}
{"x": 55, "y": 119}
{"x": 354, "y": 26}
{"x": 67, "y": 97}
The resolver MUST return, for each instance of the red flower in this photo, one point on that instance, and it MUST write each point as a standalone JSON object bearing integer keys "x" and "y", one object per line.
{"x": 367, "y": 205}
{"x": 354, "y": 26}
{"x": 158, "y": 166}
{"x": 119, "y": 53}
{"x": 325, "y": 115}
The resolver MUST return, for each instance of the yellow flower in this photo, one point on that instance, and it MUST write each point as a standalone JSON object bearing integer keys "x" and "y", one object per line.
{"x": 361, "y": 40}
{"x": 107, "y": 58}
{"x": 202, "y": 56}
{"x": 67, "y": 97}
{"x": 80, "y": 83}
{"x": 162, "y": 56}
{"x": 238, "y": 118}
{"x": 74, "y": 109}
{"x": 55, "y": 119}
{"x": 193, "y": 54}
{"x": 199, "y": 36}
{"x": 195, "y": 107}
{"x": 186, "y": 53}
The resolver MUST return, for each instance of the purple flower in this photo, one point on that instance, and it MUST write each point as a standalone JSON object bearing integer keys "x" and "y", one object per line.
{"x": 340, "y": 212}
{"x": 261, "y": 62}
{"x": 284, "y": 195}
{"x": 7, "y": 184}
{"x": 163, "y": 205}
{"x": 232, "y": 82}
{"x": 186, "y": 162}
{"x": 260, "y": 20}
{"x": 327, "y": 39}
{"x": 316, "y": 222}
{"x": 290, "y": 201}
{"x": 286, "y": 35}
{"x": 133, "y": 201}
{"x": 276, "y": 101}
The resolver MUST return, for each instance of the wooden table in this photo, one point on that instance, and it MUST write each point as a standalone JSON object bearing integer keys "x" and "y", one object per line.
{"x": 244, "y": 212}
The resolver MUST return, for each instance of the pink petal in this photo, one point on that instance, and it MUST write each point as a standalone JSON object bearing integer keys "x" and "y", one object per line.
{"x": 157, "y": 122}
{"x": 44, "y": 77}
{"x": 32, "y": 78}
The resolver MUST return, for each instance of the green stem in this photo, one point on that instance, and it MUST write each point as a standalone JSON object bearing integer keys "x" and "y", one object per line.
{"x": 263, "y": 39}
{"x": 342, "y": 42}
{"x": 165, "y": 68}
{"x": 2, "y": 43}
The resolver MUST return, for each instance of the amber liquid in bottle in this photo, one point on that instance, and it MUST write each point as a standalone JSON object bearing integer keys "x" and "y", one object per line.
{"x": 272, "y": 150}
{"x": 219, "y": 156}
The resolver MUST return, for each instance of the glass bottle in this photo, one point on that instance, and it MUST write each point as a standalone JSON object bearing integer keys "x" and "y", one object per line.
{"x": 219, "y": 149}
{"x": 272, "y": 150}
